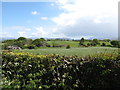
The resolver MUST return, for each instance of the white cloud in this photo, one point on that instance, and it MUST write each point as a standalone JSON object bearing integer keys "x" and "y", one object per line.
{"x": 5, "y": 34}
{"x": 84, "y": 8}
{"x": 39, "y": 32}
{"x": 44, "y": 18}
{"x": 102, "y": 19}
{"x": 81, "y": 16}
{"x": 34, "y": 12}
{"x": 16, "y": 31}
{"x": 97, "y": 20}
{"x": 62, "y": 1}
{"x": 47, "y": 32}
{"x": 22, "y": 34}
{"x": 52, "y": 4}
{"x": 27, "y": 29}
{"x": 65, "y": 19}
{"x": 16, "y": 28}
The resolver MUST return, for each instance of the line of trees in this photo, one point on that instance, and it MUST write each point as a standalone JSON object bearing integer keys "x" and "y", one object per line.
{"x": 25, "y": 43}
{"x": 41, "y": 42}
{"x": 95, "y": 42}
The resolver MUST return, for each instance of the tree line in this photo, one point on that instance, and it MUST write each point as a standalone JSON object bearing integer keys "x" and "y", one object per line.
{"x": 23, "y": 43}
{"x": 95, "y": 42}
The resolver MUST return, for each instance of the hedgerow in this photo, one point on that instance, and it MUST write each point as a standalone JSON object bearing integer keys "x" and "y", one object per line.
{"x": 54, "y": 72}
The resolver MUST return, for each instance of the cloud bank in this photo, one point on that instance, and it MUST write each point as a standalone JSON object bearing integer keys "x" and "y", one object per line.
{"x": 87, "y": 18}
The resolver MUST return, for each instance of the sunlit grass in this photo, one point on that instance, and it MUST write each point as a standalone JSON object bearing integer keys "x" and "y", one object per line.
{"x": 82, "y": 51}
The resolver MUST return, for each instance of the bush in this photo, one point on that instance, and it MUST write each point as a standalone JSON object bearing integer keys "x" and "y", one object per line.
{"x": 48, "y": 45}
{"x": 68, "y": 46}
{"x": 103, "y": 44}
{"x": 93, "y": 44}
{"x": 88, "y": 44}
{"x": 115, "y": 43}
{"x": 24, "y": 70}
{"x": 31, "y": 46}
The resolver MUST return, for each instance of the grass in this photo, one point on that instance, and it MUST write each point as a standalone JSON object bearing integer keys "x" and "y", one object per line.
{"x": 72, "y": 43}
{"x": 81, "y": 51}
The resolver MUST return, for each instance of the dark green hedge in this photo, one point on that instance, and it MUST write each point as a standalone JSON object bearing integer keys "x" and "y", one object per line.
{"x": 54, "y": 72}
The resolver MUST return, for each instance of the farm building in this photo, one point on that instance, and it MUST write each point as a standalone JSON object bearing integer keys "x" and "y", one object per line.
{"x": 13, "y": 48}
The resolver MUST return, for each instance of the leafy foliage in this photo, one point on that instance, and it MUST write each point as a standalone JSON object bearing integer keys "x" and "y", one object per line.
{"x": 25, "y": 70}
{"x": 82, "y": 41}
{"x": 115, "y": 43}
{"x": 103, "y": 44}
{"x": 95, "y": 42}
{"x": 39, "y": 42}
{"x": 68, "y": 46}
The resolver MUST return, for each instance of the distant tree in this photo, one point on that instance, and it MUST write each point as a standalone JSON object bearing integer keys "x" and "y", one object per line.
{"x": 68, "y": 46}
{"x": 21, "y": 38}
{"x": 103, "y": 44}
{"x": 55, "y": 43}
{"x": 95, "y": 42}
{"x": 48, "y": 45}
{"x": 29, "y": 41}
{"x": 107, "y": 40}
{"x": 82, "y": 41}
{"x": 31, "y": 46}
{"x": 9, "y": 42}
{"x": 42, "y": 39}
{"x": 88, "y": 44}
{"x": 21, "y": 42}
{"x": 115, "y": 43}
{"x": 39, "y": 42}
{"x": 5, "y": 46}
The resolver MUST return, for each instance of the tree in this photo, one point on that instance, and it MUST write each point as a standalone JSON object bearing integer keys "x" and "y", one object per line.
{"x": 106, "y": 40}
{"x": 9, "y": 42}
{"x": 31, "y": 47}
{"x": 95, "y": 42}
{"x": 88, "y": 44}
{"x": 115, "y": 43}
{"x": 42, "y": 39}
{"x": 21, "y": 42}
{"x": 55, "y": 43}
{"x": 5, "y": 46}
{"x": 28, "y": 41}
{"x": 21, "y": 38}
{"x": 39, "y": 42}
{"x": 103, "y": 44}
{"x": 82, "y": 41}
{"x": 68, "y": 46}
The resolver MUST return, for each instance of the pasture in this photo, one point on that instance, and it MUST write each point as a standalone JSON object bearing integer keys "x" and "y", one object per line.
{"x": 72, "y": 43}
{"x": 79, "y": 51}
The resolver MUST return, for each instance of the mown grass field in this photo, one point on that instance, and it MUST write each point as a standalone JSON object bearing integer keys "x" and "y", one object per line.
{"x": 81, "y": 51}
{"x": 72, "y": 43}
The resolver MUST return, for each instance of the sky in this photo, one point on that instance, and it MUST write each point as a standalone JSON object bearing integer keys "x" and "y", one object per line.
{"x": 61, "y": 19}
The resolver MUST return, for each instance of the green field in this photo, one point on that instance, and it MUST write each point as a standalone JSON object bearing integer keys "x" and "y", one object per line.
{"x": 81, "y": 51}
{"x": 72, "y": 43}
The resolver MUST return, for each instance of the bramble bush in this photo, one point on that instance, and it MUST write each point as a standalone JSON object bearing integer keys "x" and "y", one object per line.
{"x": 28, "y": 71}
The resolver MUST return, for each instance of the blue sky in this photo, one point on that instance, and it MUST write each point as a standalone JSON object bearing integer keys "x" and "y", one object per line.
{"x": 60, "y": 19}
{"x": 20, "y": 13}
